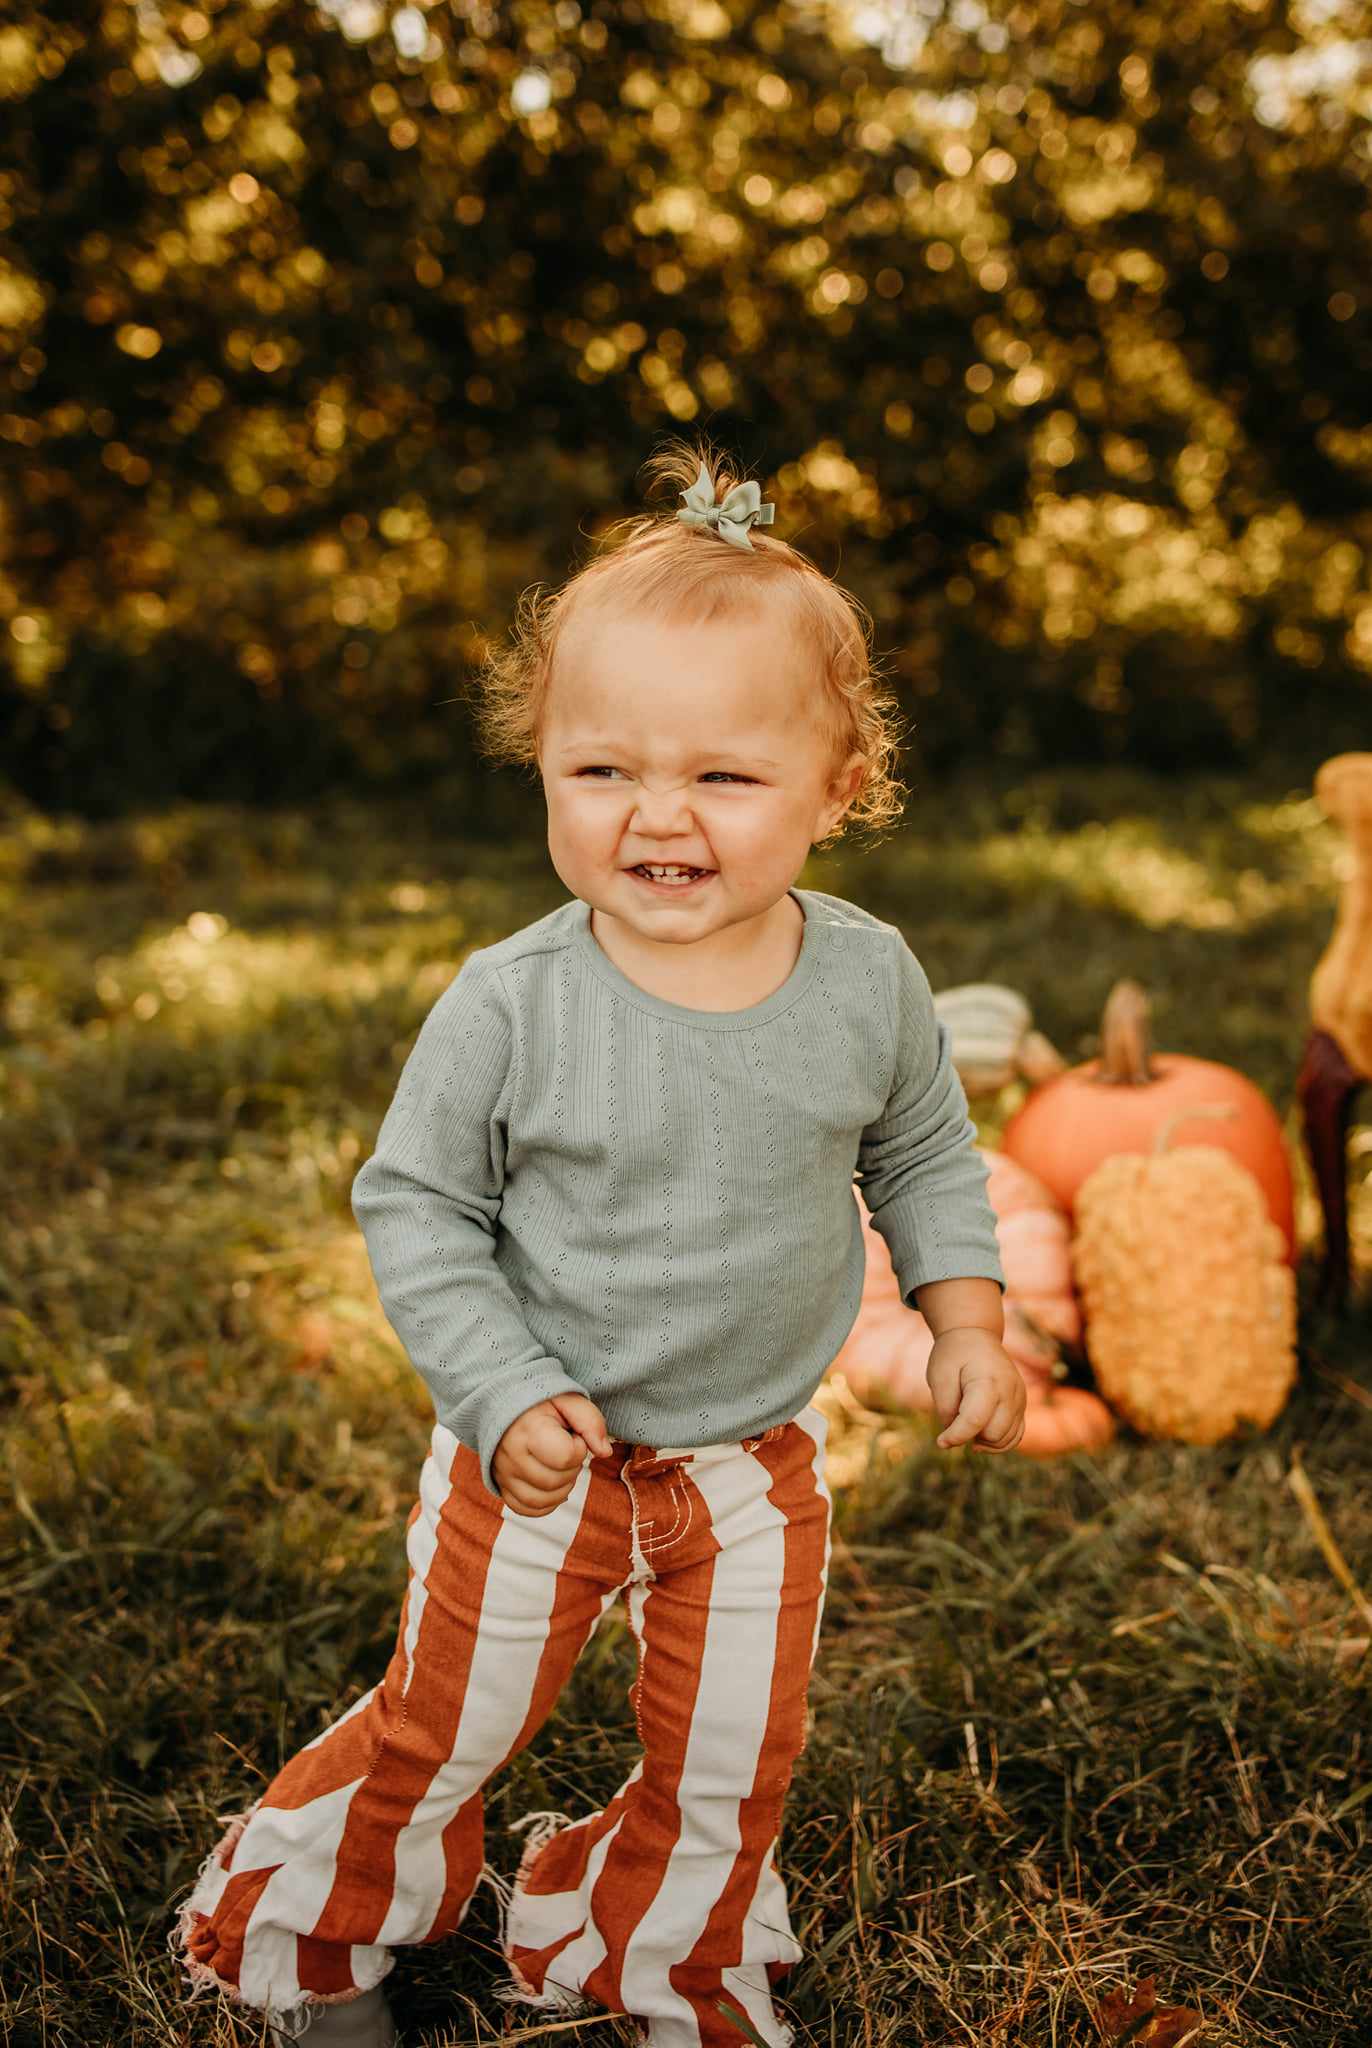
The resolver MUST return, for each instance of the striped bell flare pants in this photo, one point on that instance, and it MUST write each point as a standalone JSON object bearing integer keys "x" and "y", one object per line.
{"x": 666, "y": 1904}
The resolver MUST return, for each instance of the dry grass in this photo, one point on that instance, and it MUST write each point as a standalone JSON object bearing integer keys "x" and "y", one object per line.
{"x": 1074, "y": 1723}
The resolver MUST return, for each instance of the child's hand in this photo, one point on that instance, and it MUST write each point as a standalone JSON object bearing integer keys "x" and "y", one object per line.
{"x": 537, "y": 1460}
{"x": 978, "y": 1391}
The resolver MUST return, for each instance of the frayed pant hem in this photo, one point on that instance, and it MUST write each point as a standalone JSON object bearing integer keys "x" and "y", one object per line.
{"x": 559, "y": 1998}
{"x": 291, "y": 2018}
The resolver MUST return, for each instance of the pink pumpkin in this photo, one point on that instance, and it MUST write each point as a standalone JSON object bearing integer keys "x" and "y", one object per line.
{"x": 887, "y": 1350}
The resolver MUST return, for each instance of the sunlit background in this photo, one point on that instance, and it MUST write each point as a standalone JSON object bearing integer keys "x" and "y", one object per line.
{"x": 325, "y": 329}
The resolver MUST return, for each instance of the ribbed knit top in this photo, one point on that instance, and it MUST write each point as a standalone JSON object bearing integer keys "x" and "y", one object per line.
{"x": 581, "y": 1187}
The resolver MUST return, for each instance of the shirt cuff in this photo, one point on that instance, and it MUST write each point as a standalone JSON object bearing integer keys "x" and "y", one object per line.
{"x": 961, "y": 1256}
{"x": 968, "y": 1265}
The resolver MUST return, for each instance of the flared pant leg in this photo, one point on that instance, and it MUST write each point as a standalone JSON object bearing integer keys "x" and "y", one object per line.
{"x": 668, "y": 1903}
{"x": 372, "y": 1835}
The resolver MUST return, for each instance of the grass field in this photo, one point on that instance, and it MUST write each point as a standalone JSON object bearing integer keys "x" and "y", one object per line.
{"x": 1075, "y": 1724}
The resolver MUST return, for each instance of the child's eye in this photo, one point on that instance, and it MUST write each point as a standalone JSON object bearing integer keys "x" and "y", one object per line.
{"x": 727, "y": 774}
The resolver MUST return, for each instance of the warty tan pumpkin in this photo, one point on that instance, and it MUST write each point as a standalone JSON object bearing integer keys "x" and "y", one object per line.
{"x": 1190, "y": 1304}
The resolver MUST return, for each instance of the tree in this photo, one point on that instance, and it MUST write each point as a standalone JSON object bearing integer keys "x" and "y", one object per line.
{"x": 327, "y": 329}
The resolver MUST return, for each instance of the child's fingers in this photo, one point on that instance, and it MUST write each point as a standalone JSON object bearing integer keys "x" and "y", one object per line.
{"x": 533, "y": 1487}
{"x": 555, "y": 1449}
{"x": 526, "y": 1501}
{"x": 580, "y": 1415}
{"x": 1002, "y": 1432}
{"x": 943, "y": 1378}
{"x": 978, "y": 1405}
{"x": 543, "y": 1469}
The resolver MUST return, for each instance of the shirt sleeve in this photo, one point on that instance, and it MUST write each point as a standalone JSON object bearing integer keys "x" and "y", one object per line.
{"x": 428, "y": 1205}
{"x": 919, "y": 1175}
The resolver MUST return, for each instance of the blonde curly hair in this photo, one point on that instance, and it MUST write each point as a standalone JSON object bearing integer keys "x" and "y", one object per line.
{"x": 656, "y": 566}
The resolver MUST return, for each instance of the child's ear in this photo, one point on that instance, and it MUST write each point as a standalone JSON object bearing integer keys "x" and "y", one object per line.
{"x": 849, "y": 780}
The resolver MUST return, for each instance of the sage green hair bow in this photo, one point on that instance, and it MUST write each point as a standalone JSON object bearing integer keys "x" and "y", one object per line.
{"x": 742, "y": 507}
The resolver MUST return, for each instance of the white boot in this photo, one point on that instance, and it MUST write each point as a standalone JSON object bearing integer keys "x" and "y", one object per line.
{"x": 363, "y": 2022}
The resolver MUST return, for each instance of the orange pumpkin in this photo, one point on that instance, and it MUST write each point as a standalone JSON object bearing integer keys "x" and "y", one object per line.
{"x": 1059, "y": 1418}
{"x": 1120, "y": 1101}
{"x": 886, "y": 1353}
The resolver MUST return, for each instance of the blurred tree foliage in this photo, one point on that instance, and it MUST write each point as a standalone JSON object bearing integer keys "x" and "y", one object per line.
{"x": 326, "y": 328}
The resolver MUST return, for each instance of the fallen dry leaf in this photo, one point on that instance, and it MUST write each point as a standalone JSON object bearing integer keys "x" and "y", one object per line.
{"x": 1141, "y": 2021}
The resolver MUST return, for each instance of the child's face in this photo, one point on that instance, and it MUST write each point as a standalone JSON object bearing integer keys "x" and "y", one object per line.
{"x": 690, "y": 744}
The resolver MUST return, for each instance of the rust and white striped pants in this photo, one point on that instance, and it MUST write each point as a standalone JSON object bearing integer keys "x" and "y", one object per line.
{"x": 667, "y": 1903}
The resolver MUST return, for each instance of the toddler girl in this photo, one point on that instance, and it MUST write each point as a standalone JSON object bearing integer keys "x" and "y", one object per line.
{"x": 610, "y": 1214}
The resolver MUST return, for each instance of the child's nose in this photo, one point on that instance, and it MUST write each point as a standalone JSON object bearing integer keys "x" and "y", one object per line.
{"x": 662, "y": 809}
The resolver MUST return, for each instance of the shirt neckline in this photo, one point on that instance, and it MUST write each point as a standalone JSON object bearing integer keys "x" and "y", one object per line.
{"x": 795, "y": 984}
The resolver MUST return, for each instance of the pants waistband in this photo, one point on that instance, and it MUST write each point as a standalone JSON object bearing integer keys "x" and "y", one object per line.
{"x": 649, "y": 1459}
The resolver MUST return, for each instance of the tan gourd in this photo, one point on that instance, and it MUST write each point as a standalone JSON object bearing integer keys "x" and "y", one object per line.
{"x": 1341, "y": 985}
{"x": 1337, "y": 1061}
{"x": 1189, "y": 1301}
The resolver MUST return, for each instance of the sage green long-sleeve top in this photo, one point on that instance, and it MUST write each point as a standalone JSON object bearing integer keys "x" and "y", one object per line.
{"x": 580, "y": 1187}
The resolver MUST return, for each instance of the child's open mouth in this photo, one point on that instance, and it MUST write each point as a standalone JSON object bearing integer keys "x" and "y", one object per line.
{"x": 665, "y": 878}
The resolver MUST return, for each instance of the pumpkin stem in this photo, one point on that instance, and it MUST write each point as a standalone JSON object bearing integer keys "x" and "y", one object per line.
{"x": 1180, "y": 1116}
{"x": 1125, "y": 1054}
